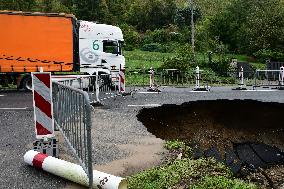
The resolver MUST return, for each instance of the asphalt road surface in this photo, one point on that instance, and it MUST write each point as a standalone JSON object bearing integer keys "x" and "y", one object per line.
{"x": 16, "y": 137}
{"x": 115, "y": 124}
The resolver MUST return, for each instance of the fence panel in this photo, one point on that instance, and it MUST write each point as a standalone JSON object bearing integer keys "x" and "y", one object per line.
{"x": 98, "y": 87}
{"x": 72, "y": 116}
{"x": 267, "y": 78}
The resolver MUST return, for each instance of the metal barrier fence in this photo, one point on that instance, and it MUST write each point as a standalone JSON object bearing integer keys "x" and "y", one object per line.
{"x": 175, "y": 77}
{"x": 269, "y": 78}
{"x": 72, "y": 116}
{"x": 98, "y": 87}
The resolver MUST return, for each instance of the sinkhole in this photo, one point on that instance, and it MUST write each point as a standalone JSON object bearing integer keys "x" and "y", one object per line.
{"x": 238, "y": 132}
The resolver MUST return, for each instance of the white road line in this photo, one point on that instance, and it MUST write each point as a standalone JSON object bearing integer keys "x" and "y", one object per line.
{"x": 2, "y": 95}
{"x": 144, "y": 105}
{"x": 14, "y": 108}
{"x": 149, "y": 92}
{"x": 260, "y": 90}
{"x": 199, "y": 91}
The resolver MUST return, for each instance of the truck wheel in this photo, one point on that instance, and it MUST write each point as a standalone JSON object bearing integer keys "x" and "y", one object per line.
{"x": 27, "y": 83}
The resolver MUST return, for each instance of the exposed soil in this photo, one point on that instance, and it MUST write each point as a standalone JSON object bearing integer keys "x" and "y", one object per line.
{"x": 247, "y": 135}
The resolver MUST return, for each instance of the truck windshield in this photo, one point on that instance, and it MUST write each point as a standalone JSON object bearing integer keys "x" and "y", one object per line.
{"x": 113, "y": 47}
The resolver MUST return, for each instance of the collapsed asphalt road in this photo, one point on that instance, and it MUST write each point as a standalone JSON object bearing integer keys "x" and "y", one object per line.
{"x": 119, "y": 139}
{"x": 237, "y": 132}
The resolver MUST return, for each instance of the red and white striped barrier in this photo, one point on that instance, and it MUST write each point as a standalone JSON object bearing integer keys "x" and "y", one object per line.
{"x": 42, "y": 100}
{"x": 73, "y": 172}
{"x": 121, "y": 84}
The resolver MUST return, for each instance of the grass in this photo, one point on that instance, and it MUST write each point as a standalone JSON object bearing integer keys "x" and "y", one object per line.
{"x": 221, "y": 182}
{"x": 145, "y": 55}
{"x": 193, "y": 174}
{"x": 203, "y": 173}
{"x": 138, "y": 59}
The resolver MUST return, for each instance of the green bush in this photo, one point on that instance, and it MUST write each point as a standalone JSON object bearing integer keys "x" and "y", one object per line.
{"x": 152, "y": 47}
{"x": 131, "y": 37}
{"x": 220, "y": 67}
{"x": 184, "y": 60}
{"x": 167, "y": 35}
{"x": 268, "y": 54}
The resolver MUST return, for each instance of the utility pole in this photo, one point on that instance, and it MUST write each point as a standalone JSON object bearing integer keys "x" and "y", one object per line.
{"x": 192, "y": 26}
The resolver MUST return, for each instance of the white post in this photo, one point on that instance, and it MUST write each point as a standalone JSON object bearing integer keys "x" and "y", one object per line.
{"x": 121, "y": 75}
{"x": 281, "y": 76}
{"x": 97, "y": 86}
{"x": 151, "y": 77}
{"x": 241, "y": 77}
{"x": 197, "y": 71}
{"x": 40, "y": 69}
{"x": 73, "y": 172}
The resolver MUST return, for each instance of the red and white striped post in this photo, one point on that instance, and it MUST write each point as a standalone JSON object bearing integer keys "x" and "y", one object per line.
{"x": 43, "y": 109}
{"x": 121, "y": 84}
{"x": 73, "y": 172}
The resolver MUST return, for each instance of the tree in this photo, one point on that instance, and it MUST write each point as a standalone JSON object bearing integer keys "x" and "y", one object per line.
{"x": 17, "y": 5}
{"x": 151, "y": 14}
{"x": 87, "y": 9}
{"x": 248, "y": 25}
{"x": 183, "y": 16}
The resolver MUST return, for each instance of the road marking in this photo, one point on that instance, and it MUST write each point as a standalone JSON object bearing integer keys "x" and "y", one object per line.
{"x": 199, "y": 91}
{"x": 144, "y": 105}
{"x": 260, "y": 90}
{"x": 2, "y": 95}
{"x": 149, "y": 92}
{"x": 14, "y": 108}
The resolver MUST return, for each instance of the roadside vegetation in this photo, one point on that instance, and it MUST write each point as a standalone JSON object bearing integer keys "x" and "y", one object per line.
{"x": 180, "y": 170}
{"x": 246, "y": 28}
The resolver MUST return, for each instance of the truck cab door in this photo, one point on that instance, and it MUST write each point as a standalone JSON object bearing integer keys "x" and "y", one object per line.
{"x": 90, "y": 52}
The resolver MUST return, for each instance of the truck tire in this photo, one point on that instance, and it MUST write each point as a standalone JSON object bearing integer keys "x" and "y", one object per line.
{"x": 27, "y": 83}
